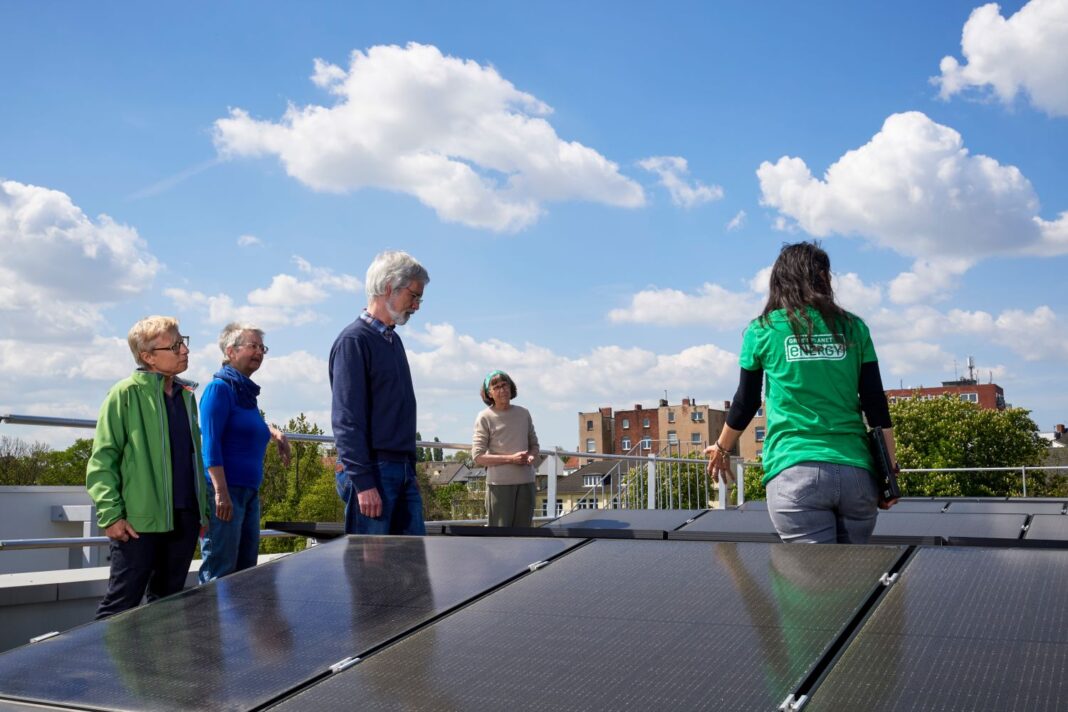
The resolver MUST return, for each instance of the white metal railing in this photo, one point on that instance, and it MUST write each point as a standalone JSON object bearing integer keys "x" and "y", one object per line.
{"x": 76, "y": 542}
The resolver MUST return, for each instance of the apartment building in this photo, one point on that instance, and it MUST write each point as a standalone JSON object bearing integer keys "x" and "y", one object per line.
{"x": 989, "y": 396}
{"x": 596, "y": 432}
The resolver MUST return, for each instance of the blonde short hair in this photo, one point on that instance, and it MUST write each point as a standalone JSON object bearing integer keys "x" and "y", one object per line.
{"x": 146, "y": 331}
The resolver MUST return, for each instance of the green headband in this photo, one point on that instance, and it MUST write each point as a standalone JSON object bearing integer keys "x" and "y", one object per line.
{"x": 485, "y": 384}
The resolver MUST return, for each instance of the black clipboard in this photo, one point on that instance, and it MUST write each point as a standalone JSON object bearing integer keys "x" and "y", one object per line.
{"x": 884, "y": 473}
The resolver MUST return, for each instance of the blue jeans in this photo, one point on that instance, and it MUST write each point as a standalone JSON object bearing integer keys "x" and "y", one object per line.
{"x": 823, "y": 503}
{"x": 402, "y": 505}
{"x": 234, "y": 545}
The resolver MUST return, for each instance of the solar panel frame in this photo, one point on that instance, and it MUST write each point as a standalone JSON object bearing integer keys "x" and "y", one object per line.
{"x": 645, "y": 519}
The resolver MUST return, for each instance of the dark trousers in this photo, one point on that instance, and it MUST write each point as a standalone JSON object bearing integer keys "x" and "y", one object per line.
{"x": 155, "y": 565}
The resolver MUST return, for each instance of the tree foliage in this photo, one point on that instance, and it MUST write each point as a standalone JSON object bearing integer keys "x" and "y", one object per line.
{"x": 949, "y": 433}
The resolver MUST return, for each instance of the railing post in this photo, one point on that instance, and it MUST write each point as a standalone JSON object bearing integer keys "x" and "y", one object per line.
{"x": 739, "y": 478}
{"x": 650, "y": 483}
{"x": 550, "y": 486}
{"x": 1023, "y": 473}
{"x": 721, "y": 484}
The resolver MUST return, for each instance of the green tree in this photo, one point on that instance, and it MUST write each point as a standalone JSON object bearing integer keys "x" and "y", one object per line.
{"x": 67, "y": 467}
{"x": 22, "y": 463}
{"x": 420, "y": 452}
{"x": 438, "y": 455}
{"x": 304, "y": 491}
{"x": 949, "y": 433}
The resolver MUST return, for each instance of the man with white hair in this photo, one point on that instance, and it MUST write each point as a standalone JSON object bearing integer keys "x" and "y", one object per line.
{"x": 373, "y": 407}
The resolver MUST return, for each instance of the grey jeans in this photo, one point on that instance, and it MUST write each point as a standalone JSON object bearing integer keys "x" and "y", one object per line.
{"x": 823, "y": 503}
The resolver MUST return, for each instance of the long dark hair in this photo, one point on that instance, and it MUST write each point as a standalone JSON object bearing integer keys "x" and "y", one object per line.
{"x": 801, "y": 278}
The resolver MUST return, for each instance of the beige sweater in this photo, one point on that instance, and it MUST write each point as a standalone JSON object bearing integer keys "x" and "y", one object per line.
{"x": 505, "y": 433}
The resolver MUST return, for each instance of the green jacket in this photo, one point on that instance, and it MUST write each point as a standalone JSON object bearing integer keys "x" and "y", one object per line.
{"x": 129, "y": 472}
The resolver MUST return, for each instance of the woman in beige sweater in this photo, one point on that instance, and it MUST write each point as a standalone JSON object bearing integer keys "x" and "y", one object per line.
{"x": 507, "y": 446}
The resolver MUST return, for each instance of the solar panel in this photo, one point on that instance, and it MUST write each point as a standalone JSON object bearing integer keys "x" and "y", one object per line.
{"x": 755, "y": 505}
{"x": 729, "y": 525}
{"x": 963, "y": 529}
{"x": 962, "y": 629}
{"x": 635, "y": 625}
{"x": 576, "y": 532}
{"x": 248, "y": 638}
{"x": 1006, "y": 507}
{"x": 648, "y": 519}
{"x": 1048, "y": 530}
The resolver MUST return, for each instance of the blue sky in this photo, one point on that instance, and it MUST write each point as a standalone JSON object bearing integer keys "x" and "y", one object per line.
{"x": 596, "y": 189}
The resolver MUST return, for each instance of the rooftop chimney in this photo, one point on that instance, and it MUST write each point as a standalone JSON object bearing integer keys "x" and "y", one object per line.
{"x": 685, "y": 401}
{"x": 663, "y": 402}
{"x": 637, "y": 406}
{"x": 606, "y": 412}
{"x": 726, "y": 405}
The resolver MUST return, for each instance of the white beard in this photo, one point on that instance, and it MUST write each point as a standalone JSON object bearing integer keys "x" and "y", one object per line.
{"x": 399, "y": 318}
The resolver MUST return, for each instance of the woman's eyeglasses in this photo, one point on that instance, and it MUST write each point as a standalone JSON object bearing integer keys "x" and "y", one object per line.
{"x": 176, "y": 347}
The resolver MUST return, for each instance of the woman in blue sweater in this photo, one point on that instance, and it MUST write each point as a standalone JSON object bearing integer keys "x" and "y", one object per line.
{"x": 235, "y": 441}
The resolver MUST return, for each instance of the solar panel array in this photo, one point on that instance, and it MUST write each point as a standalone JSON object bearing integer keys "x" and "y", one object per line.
{"x": 679, "y": 619}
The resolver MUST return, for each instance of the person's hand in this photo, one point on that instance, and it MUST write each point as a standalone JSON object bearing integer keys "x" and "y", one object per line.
{"x": 519, "y": 458}
{"x": 120, "y": 530}
{"x": 370, "y": 503}
{"x": 719, "y": 463}
{"x": 224, "y": 507}
{"x": 284, "y": 451}
{"x": 530, "y": 459}
{"x": 887, "y": 503}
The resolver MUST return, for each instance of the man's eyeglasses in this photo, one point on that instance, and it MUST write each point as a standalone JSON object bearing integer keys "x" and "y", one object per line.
{"x": 256, "y": 347}
{"x": 416, "y": 297}
{"x": 176, "y": 347}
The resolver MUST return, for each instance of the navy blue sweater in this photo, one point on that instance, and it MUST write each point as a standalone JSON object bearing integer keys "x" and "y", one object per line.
{"x": 373, "y": 405}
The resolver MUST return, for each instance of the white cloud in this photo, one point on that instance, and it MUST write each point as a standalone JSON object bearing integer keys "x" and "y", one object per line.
{"x": 719, "y": 307}
{"x": 454, "y": 364}
{"x": 59, "y": 268}
{"x": 452, "y": 133}
{"x": 853, "y": 294}
{"x": 249, "y": 241}
{"x": 904, "y": 358}
{"x": 712, "y": 304}
{"x": 673, "y": 171}
{"x": 1026, "y": 53}
{"x": 284, "y": 302}
{"x": 928, "y": 279}
{"x": 916, "y": 190}
{"x": 737, "y": 221}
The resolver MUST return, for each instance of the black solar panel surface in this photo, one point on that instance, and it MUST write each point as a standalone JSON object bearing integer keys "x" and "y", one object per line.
{"x": 913, "y": 506}
{"x": 635, "y": 625}
{"x": 729, "y": 524}
{"x": 1007, "y": 507}
{"x": 962, "y": 629}
{"x": 248, "y": 638}
{"x": 904, "y": 527}
{"x": 662, "y": 519}
{"x": 1049, "y": 528}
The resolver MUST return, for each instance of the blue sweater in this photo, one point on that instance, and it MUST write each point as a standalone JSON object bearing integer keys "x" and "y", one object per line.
{"x": 233, "y": 437}
{"x": 373, "y": 407}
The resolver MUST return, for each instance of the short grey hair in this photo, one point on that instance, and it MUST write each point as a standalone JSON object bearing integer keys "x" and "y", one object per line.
{"x": 147, "y": 330}
{"x": 230, "y": 336}
{"x": 395, "y": 269}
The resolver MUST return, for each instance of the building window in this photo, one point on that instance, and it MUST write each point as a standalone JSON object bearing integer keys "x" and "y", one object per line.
{"x": 591, "y": 445}
{"x": 695, "y": 438}
{"x": 759, "y": 433}
{"x": 760, "y": 412}
{"x": 625, "y": 444}
{"x": 586, "y": 504}
{"x": 671, "y": 416}
{"x": 592, "y": 480}
{"x": 970, "y": 397}
{"x": 626, "y": 423}
{"x": 647, "y": 443}
{"x": 645, "y": 422}
{"x": 559, "y": 508}
{"x": 697, "y": 416}
{"x": 589, "y": 425}
{"x": 673, "y": 437}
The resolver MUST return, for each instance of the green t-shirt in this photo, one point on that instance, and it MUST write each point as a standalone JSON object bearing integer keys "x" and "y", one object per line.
{"x": 811, "y": 399}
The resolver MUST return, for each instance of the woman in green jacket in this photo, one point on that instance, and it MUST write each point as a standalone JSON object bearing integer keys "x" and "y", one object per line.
{"x": 145, "y": 471}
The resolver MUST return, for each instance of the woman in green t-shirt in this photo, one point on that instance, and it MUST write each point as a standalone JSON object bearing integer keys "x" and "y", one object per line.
{"x": 822, "y": 373}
